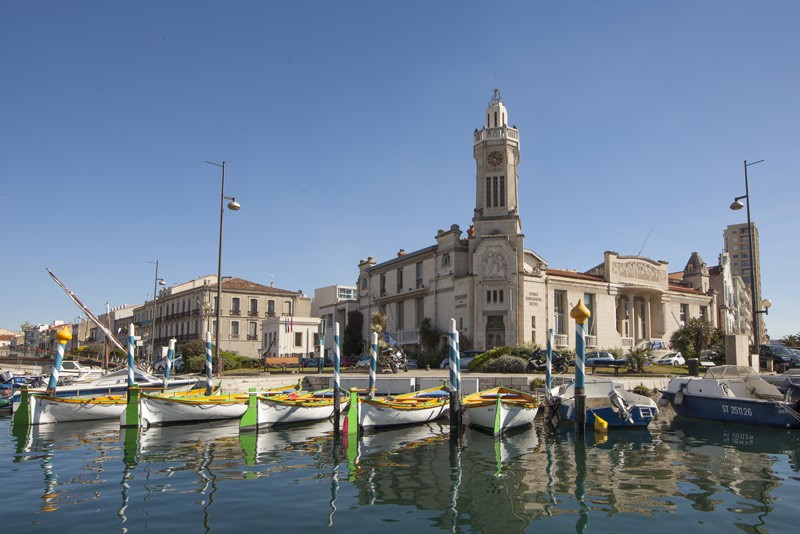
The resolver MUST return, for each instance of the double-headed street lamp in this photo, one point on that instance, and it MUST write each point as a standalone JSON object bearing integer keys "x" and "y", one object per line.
{"x": 233, "y": 206}
{"x": 156, "y": 282}
{"x": 766, "y": 303}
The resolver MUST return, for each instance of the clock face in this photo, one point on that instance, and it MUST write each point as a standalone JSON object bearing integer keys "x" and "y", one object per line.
{"x": 495, "y": 158}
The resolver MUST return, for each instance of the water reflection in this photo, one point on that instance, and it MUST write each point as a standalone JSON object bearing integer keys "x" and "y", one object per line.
{"x": 47, "y": 443}
{"x": 207, "y": 477}
{"x": 747, "y": 463}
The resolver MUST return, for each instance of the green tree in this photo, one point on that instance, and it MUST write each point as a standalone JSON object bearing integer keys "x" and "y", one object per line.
{"x": 429, "y": 335}
{"x": 377, "y": 323}
{"x": 353, "y": 342}
{"x": 792, "y": 340}
{"x": 696, "y": 336}
{"x": 637, "y": 358}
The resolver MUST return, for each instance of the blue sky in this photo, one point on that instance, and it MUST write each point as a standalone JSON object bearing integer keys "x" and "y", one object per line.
{"x": 347, "y": 131}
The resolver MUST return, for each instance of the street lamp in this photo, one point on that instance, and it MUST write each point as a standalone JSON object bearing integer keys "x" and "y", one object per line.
{"x": 233, "y": 206}
{"x": 156, "y": 282}
{"x": 737, "y": 205}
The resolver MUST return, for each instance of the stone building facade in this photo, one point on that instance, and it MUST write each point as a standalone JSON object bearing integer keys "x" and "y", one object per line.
{"x": 501, "y": 293}
{"x": 186, "y": 311}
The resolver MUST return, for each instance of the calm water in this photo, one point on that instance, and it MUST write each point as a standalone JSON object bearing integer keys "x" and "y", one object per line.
{"x": 679, "y": 477}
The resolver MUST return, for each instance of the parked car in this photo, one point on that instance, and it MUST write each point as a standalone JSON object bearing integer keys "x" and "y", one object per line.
{"x": 599, "y": 356}
{"x": 709, "y": 358}
{"x": 178, "y": 365}
{"x": 466, "y": 357}
{"x": 779, "y": 355}
{"x": 314, "y": 362}
{"x": 673, "y": 358}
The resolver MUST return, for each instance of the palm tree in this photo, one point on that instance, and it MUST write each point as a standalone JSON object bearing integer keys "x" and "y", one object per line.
{"x": 792, "y": 340}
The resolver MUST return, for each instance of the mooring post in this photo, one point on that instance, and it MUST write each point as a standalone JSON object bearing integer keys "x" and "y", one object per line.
{"x": 455, "y": 380}
{"x": 580, "y": 313}
{"x": 62, "y": 336}
{"x": 337, "y": 387}
{"x": 373, "y": 365}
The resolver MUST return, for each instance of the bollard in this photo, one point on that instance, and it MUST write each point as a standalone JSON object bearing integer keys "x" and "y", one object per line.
{"x": 580, "y": 313}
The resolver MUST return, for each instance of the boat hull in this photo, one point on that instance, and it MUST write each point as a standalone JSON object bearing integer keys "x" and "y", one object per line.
{"x": 499, "y": 409}
{"x": 609, "y": 401}
{"x": 641, "y": 416}
{"x": 380, "y": 414}
{"x": 511, "y": 416}
{"x": 47, "y": 410}
{"x": 750, "y": 412}
{"x": 161, "y": 411}
{"x": 273, "y": 412}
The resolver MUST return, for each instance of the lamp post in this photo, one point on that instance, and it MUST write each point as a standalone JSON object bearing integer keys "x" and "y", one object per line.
{"x": 233, "y": 206}
{"x": 156, "y": 282}
{"x": 737, "y": 205}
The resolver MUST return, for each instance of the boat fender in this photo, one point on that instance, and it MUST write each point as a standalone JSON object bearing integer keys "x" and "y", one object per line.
{"x": 678, "y": 397}
{"x": 663, "y": 402}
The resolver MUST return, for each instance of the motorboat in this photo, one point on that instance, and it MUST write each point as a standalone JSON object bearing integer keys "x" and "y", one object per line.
{"x": 116, "y": 382}
{"x": 607, "y": 400}
{"x": 734, "y": 394}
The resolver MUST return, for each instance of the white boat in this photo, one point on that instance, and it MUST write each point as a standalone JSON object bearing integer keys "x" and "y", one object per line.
{"x": 151, "y": 409}
{"x": 406, "y": 409}
{"x": 44, "y": 409}
{"x": 734, "y": 394}
{"x": 161, "y": 410}
{"x": 499, "y": 409}
{"x": 73, "y": 372}
{"x": 40, "y": 408}
{"x": 607, "y": 400}
{"x": 116, "y": 382}
{"x": 273, "y": 408}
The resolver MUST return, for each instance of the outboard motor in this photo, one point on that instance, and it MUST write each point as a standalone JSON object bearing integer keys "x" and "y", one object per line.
{"x": 620, "y": 406}
{"x": 792, "y": 396}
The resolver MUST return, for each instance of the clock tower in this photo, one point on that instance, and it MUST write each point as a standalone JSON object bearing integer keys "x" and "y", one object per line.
{"x": 496, "y": 243}
{"x": 496, "y": 152}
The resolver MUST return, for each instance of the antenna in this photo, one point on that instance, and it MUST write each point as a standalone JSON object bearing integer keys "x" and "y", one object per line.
{"x": 645, "y": 242}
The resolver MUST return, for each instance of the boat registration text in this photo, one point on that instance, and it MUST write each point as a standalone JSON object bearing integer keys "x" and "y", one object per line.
{"x": 737, "y": 410}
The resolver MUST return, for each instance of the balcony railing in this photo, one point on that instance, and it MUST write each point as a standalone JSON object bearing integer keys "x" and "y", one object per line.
{"x": 561, "y": 340}
{"x": 627, "y": 342}
{"x": 234, "y": 336}
{"x": 253, "y": 313}
{"x": 252, "y": 338}
{"x": 406, "y": 337}
{"x": 236, "y": 312}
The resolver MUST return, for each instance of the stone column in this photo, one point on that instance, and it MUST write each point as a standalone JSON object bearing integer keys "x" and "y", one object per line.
{"x": 648, "y": 319}
{"x": 632, "y": 318}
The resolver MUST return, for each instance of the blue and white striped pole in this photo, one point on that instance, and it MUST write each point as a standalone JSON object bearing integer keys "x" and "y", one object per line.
{"x": 337, "y": 357}
{"x": 170, "y": 359}
{"x": 337, "y": 386}
{"x": 455, "y": 379}
{"x": 373, "y": 365}
{"x": 62, "y": 336}
{"x": 131, "y": 359}
{"x": 454, "y": 358}
{"x": 548, "y": 376}
{"x": 580, "y": 313}
{"x": 209, "y": 367}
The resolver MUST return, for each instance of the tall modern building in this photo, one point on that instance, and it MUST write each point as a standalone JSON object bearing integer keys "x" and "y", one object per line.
{"x": 745, "y": 262}
{"x": 501, "y": 293}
